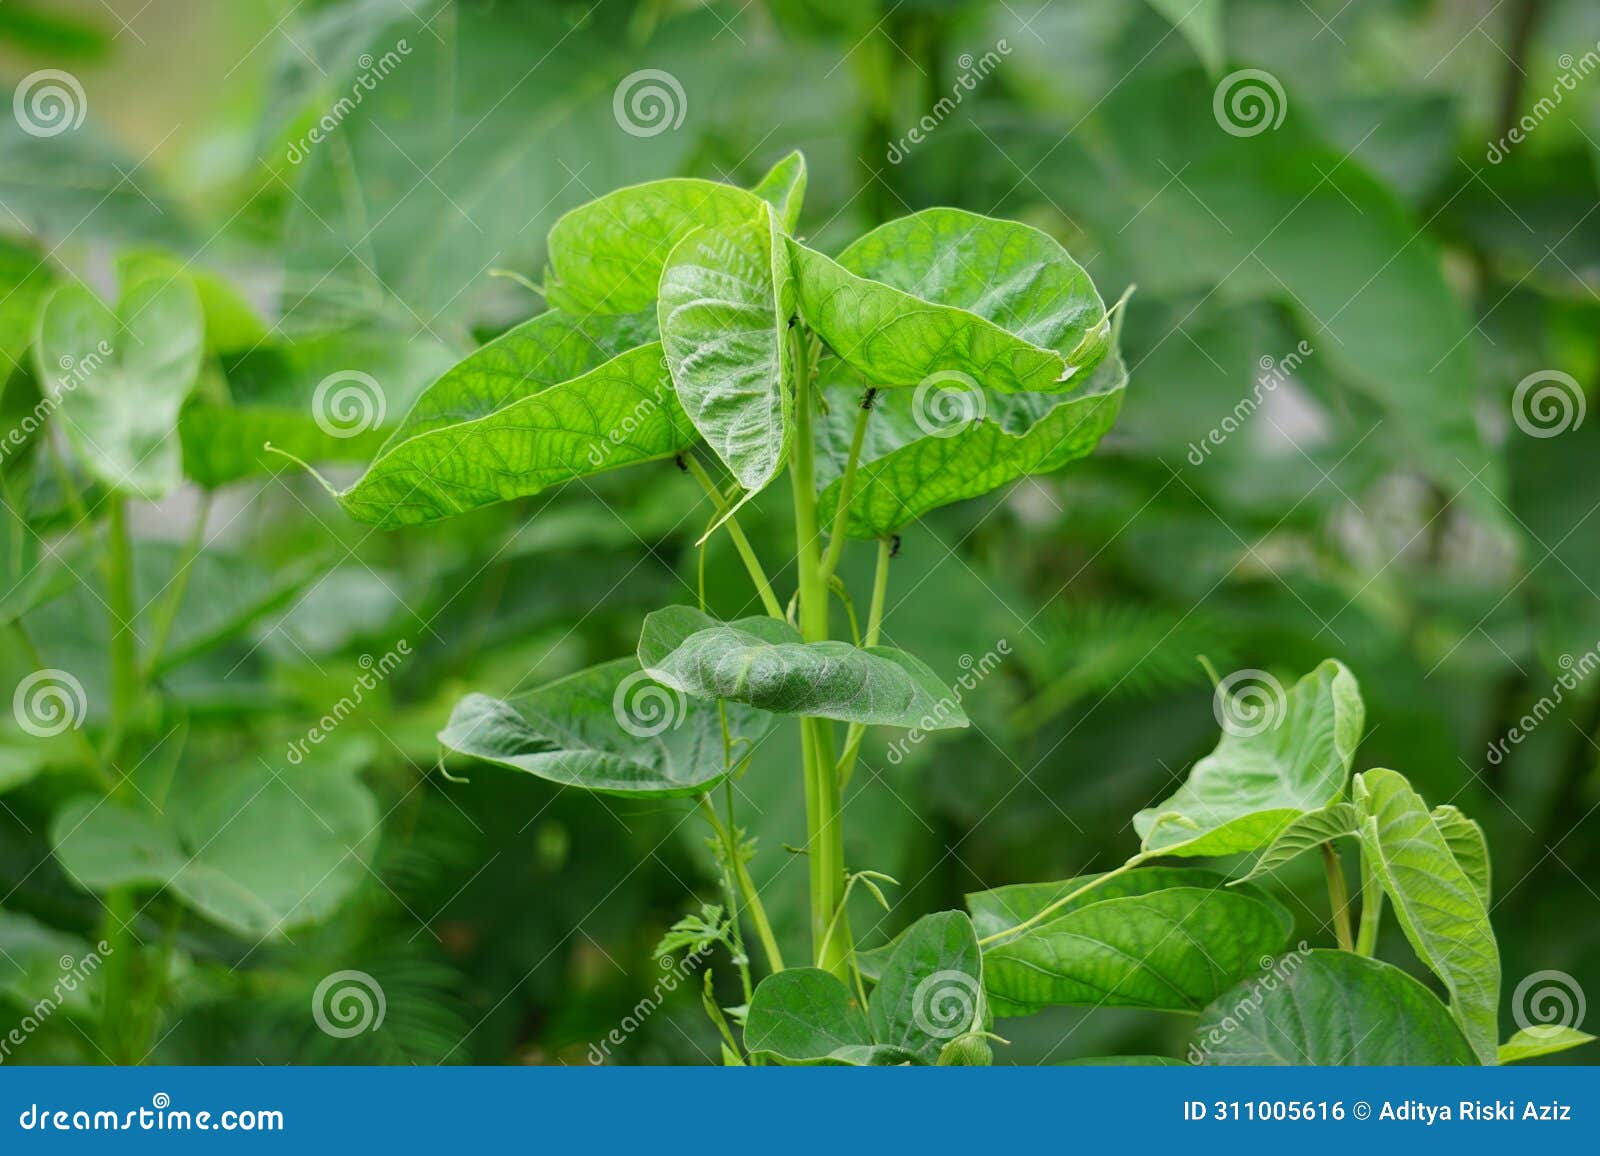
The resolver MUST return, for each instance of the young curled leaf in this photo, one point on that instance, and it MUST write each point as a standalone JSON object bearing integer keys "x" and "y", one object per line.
{"x": 609, "y": 729}
{"x": 762, "y": 663}
{"x": 726, "y": 297}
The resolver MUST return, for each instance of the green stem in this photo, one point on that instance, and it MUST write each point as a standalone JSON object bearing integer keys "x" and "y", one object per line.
{"x": 747, "y": 886}
{"x": 1371, "y": 910}
{"x": 121, "y": 1024}
{"x": 847, "y": 487}
{"x": 119, "y": 1035}
{"x": 824, "y": 832}
{"x": 880, "y": 592}
{"x": 769, "y": 600}
{"x": 166, "y": 615}
{"x": 124, "y": 642}
{"x": 1338, "y": 896}
{"x": 1050, "y": 909}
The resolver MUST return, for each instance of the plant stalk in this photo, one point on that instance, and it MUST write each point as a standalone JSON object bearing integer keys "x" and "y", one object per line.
{"x": 880, "y": 591}
{"x": 747, "y": 554}
{"x": 824, "y": 832}
{"x": 1338, "y": 897}
{"x": 847, "y": 488}
{"x": 1371, "y": 910}
{"x": 1050, "y": 909}
{"x": 124, "y": 641}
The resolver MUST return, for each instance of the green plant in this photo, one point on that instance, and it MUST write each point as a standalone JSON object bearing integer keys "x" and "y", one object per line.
{"x": 685, "y": 317}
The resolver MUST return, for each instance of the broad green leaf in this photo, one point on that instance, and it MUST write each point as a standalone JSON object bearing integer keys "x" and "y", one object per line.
{"x": 232, "y": 323}
{"x": 930, "y": 991}
{"x": 784, "y": 188}
{"x": 22, "y": 757}
{"x": 1002, "y": 908}
{"x": 1467, "y": 844}
{"x": 607, "y": 256}
{"x": 761, "y": 662}
{"x": 105, "y": 844}
{"x": 1329, "y": 1009}
{"x": 945, "y": 291}
{"x": 923, "y": 452}
{"x": 121, "y": 378}
{"x": 617, "y": 414}
{"x": 33, "y": 959}
{"x": 1169, "y": 950}
{"x": 1437, "y": 903}
{"x": 726, "y": 298}
{"x": 1200, "y": 22}
{"x": 1303, "y": 833}
{"x": 258, "y": 849}
{"x": 609, "y": 729}
{"x": 547, "y": 350}
{"x": 25, "y": 281}
{"x": 1541, "y": 1040}
{"x": 806, "y": 1015}
{"x": 1285, "y": 755}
